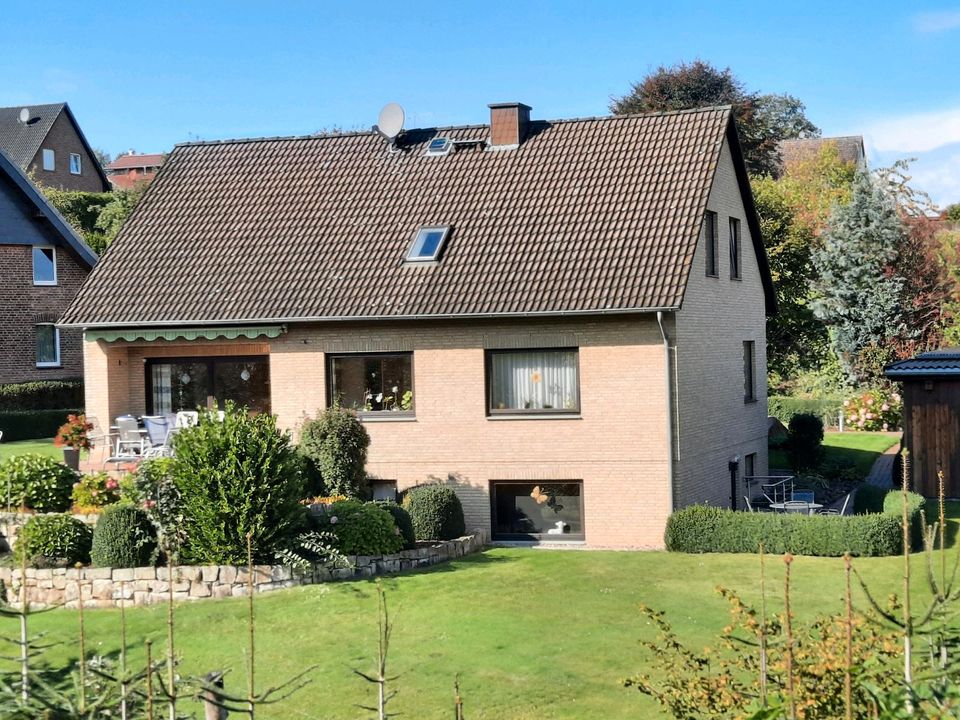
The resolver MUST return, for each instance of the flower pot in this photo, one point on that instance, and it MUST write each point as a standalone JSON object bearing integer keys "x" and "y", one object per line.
{"x": 71, "y": 458}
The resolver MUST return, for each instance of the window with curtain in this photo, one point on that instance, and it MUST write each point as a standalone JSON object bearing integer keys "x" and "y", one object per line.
{"x": 189, "y": 383}
{"x": 533, "y": 381}
{"x": 379, "y": 383}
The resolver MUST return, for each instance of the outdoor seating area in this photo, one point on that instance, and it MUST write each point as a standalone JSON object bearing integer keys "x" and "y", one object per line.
{"x": 132, "y": 439}
{"x": 774, "y": 493}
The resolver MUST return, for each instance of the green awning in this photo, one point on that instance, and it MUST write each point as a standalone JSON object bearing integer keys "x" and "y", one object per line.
{"x": 202, "y": 333}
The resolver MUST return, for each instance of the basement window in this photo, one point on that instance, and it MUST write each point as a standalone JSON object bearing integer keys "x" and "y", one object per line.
{"x": 428, "y": 243}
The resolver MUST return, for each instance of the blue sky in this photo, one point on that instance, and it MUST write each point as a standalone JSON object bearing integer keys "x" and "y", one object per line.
{"x": 149, "y": 75}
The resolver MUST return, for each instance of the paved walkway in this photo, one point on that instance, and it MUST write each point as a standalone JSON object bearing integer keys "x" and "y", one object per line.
{"x": 881, "y": 474}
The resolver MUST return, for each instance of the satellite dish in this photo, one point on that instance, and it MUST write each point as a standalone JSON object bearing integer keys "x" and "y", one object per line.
{"x": 25, "y": 116}
{"x": 390, "y": 122}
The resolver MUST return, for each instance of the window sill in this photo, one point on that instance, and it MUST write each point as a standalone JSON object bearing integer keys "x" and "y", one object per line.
{"x": 714, "y": 276}
{"x": 49, "y": 366}
{"x": 534, "y": 416}
{"x": 44, "y": 284}
{"x": 387, "y": 417}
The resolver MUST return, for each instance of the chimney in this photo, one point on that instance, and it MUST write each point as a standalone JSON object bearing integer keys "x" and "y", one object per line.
{"x": 508, "y": 125}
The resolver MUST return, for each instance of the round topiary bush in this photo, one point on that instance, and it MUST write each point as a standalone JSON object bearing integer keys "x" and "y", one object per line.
{"x": 804, "y": 442}
{"x": 124, "y": 537}
{"x": 435, "y": 511}
{"x": 401, "y": 518}
{"x": 37, "y": 482}
{"x": 56, "y": 540}
{"x": 360, "y": 528}
{"x": 335, "y": 447}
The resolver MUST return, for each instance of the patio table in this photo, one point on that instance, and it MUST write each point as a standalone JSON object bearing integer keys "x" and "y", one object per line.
{"x": 781, "y": 507}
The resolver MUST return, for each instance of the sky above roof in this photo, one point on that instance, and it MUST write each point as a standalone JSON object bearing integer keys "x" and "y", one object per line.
{"x": 149, "y": 75}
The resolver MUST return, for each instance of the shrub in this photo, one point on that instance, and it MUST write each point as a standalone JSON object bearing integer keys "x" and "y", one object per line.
{"x": 237, "y": 476}
{"x": 869, "y": 499}
{"x": 401, "y": 519}
{"x": 435, "y": 511}
{"x": 94, "y": 491}
{"x": 73, "y": 433}
{"x": 335, "y": 446}
{"x": 123, "y": 537}
{"x": 151, "y": 488}
{"x": 31, "y": 424}
{"x": 54, "y": 540}
{"x": 784, "y": 407}
{"x": 701, "y": 528}
{"x": 360, "y": 528}
{"x": 37, "y": 482}
{"x": 804, "y": 442}
{"x": 876, "y": 409}
{"x": 42, "y": 395}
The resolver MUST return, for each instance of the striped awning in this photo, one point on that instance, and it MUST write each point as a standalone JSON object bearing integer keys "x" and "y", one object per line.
{"x": 197, "y": 333}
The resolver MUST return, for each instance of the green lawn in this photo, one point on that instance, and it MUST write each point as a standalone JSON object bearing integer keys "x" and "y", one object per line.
{"x": 534, "y": 634}
{"x": 22, "y": 447}
{"x": 861, "y": 448}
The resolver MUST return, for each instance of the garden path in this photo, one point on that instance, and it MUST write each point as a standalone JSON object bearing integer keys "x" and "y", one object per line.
{"x": 881, "y": 474}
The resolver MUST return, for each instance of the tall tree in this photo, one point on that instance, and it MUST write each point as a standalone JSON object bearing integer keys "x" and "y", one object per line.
{"x": 859, "y": 292}
{"x": 762, "y": 120}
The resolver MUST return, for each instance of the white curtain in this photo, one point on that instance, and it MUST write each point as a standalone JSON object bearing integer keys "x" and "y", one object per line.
{"x": 534, "y": 380}
{"x": 162, "y": 392}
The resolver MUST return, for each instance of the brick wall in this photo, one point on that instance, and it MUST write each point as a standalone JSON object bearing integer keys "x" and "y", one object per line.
{"x": 718, "y": 315}
{"x": 24, "y": 305}
{"x": 63, "y": 140}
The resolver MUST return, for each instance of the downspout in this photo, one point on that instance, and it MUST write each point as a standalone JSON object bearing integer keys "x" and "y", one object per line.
{"x": 669, "y": 387}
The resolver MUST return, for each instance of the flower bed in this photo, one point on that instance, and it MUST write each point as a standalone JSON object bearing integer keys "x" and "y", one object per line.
{"x": 108, "y": 587}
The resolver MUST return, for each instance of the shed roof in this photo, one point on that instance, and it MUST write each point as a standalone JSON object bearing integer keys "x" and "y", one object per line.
{"x": 935, "y": 363}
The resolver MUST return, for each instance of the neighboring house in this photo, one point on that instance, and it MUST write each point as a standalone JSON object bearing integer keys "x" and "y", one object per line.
{"x": 564, "y": 320}
{"x": 849, "y": 148}
{"x": 129, "y": 170}
{"x": 43, "y": 262}
{"x": 46, "y": 142}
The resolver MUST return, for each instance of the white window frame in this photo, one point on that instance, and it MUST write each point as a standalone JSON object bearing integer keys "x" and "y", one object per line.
{"x": 79, "y": 170}
{"x": 56, "y": 345}
{"x": 413, "y": 257}
{"x": 48, "y": 283}
{"x": 49, "y": 159}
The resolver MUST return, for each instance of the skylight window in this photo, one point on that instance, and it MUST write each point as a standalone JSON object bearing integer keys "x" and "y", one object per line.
{"x": 440, "y": 146}
{"x": 428, "y": 243}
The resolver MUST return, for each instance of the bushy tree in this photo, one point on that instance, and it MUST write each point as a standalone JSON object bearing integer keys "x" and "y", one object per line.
{"x": 952, "y": 213}
{"x": 335, "y": 445}
{"x": 859, "y": 293}
{"x": 762, "y": 120}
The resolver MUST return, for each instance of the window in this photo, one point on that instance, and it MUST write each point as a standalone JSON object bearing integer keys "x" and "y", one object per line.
{"x": 749, "y": 371}
{"x": 427, "y": 244}
{"x": 525, "y": 510}
{"x": 750, "y": 465}
{"x": 710, "y": 243}
{"x": 734, "y": 249}
{"x": 44, "y": 265}
{"x": 383, "y": 489}
{"x": 380, "y": 383}
{"x": 75, "y": 167}
{"x": 48, "y": 345}
{"x": 49, "y": 160}
{"x": 175, "y": 384}
{"x": 533, "y": 381}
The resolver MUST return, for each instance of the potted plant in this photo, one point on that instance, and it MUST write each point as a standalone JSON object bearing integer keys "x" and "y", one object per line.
{"x": 72, "y": 437}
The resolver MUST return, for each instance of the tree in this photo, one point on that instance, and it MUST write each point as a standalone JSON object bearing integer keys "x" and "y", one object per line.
{"x": 814, "y": 186}
{"x": 102, "y": 157}
{"x": 952, "y": 213}
{"x": 858, "y": 291}
{"x": 762, "y": 120}
{"x": 115, "y": 213}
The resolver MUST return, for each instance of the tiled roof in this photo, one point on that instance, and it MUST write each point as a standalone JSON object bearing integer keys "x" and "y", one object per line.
{"x": 936, "y": 363}
{"x": 146, "y": 160}
{"x": 586, "y": 216}
{"x": 20, "y": 141}
{"x": 849, "y": 148}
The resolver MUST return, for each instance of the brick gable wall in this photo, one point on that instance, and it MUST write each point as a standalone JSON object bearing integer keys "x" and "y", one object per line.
{"x": 63, "y": 140}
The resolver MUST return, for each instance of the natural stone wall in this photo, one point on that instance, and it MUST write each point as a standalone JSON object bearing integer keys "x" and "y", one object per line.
{"x": 11, "y": 522}
{"x": 107, "y": 587}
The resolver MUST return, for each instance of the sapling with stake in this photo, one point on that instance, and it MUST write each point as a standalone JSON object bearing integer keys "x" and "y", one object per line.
{"x": 380, "y": 679}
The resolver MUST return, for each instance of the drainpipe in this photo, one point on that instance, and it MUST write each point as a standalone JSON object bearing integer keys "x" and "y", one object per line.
{"x": 669, "y": 387}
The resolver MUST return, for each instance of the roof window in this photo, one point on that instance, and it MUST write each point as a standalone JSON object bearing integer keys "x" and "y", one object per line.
{"x": 440, "y": 146}
{"x": 428, "y": 243}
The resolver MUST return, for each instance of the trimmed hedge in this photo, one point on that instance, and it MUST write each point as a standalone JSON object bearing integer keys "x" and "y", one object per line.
{"x": 703, "y": 529}
{"x": 123, "y": 537}
{"x": 784, "y": 407}
{"x": 41, "y": 395}
{"x": 401, "y": 519}
{"x": 54, "y": 540}
{"x": 360, "y": 528}
{"x": 37, "y": 482}
{"x": 436, "y": 512}
{"x": 33, "y": 424}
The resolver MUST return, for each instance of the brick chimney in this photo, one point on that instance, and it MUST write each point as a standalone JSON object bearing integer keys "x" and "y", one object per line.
{"x": 508, "y": 124}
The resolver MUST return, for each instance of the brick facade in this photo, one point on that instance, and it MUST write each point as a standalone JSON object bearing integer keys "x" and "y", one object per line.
{"x": 63, "y": 140}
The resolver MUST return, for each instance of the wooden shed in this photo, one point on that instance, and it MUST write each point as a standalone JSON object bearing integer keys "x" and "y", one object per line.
{"x": 931, "y": 417}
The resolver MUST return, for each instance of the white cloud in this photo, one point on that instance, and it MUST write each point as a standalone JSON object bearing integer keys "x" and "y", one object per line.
{"x": 934, "y": 22}
{"x": 920, "y": 132}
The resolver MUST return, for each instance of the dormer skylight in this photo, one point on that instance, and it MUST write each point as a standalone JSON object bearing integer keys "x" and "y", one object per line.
{"x": 440, "y": 146}
{"x": 428, "y": 243}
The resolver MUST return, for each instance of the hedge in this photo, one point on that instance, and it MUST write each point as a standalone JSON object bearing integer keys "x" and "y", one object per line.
{"x": 784, "y": 407}
{"x": 703, "y": 529}
{"x": 32, "y": 424}
{"x": 41, "y": 395}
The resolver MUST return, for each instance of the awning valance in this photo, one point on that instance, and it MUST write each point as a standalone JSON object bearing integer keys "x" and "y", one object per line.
{"x": 199, "y": 333}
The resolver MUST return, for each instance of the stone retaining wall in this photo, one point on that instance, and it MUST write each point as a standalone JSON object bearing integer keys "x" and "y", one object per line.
{"x": 104, "y": 587}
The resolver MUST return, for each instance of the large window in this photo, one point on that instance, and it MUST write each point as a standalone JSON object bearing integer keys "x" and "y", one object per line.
{"x": 711, "y": 244}
{"x": 75, "y": 164}
{"x": 749, "y": 371}
{"x": 735, "y": 271}
{"x": 48, "y": 345}
{"x": 533, "y": 381}
{"x": 526, "y": 510}
{"x": 175, "y": 384}
{"x": 44, "y": 265}
{"x": 380, "y": 383}
{"x": 49, "y": 160}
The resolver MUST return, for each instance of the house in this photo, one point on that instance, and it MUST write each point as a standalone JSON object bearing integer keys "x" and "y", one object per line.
{"x": 931, "y": 418}
{"x": 129, "y": 170}
{"x": 849, "y": 149}
{"x": 46, "y": 142}
{"x": 563, "y": 320}
{"x": 42, "y": 265}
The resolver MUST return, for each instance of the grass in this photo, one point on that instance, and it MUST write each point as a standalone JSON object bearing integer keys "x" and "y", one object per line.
{"x": 534, "y": 634}
{"x": 22, "y": 447}
{"x": 860, "y": 448}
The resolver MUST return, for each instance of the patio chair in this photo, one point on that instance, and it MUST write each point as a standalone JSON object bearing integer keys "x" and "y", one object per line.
{"x": 835, "y": 511}
{"x": 796, "y": 506}
{"x": 746, "y": 500}
{"x": 131, "y": 441}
